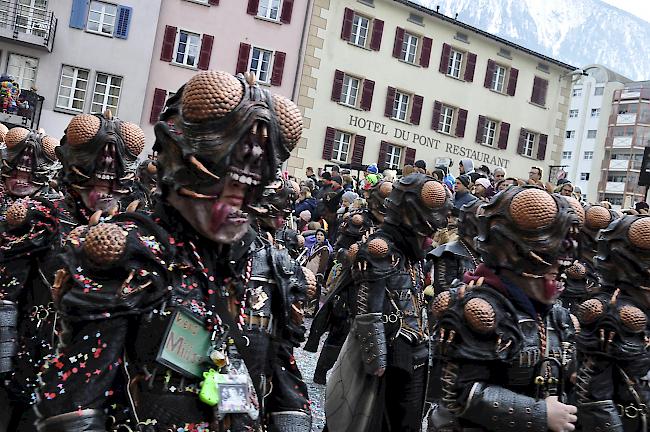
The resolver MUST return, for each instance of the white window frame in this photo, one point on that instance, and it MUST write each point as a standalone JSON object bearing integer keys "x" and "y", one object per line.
{"x": 188, "y": 46}
{"x": 359, "y": 35}
{"x": 263, "y": 76}
{"x": 447, "y": 114}
{"x": 499, "y": 78}
{"x": 490, "y": 132}
{"x": 267, "y": 10}
{"x": 595, "y": 111}
{"x": 576, "y": 92}
{"x": 567, "y": 154}
{"x": 588, "y": 155}
{"x": 350, "y": 90}
{"x": 455, "y": 65}
{"x": 410, "y": 47}
{"x": 574, "y": 113}
{"x": 100, "y": 107}
{"x": 529, "y": 143}
{"x": 342, "y": 146}
{"x": 401, "y": 106}
{"x": 394, "y": 156}
{"x": 19, "y": 70}
{"x": 74, "y": 87}
{"x": 30, "y": 18}
{"x": 105, "y": 18}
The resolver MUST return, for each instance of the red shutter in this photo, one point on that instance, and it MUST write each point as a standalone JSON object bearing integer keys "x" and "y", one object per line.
{"x": 425, "y": 55}
{"x": 541, "y": 147}
{"x": 409, "y": 157}
{"x": 399, "y": 41}
{"x": 480, "y": 129}
{"x": 213, "y": 2}
{"x": 416, "y": 110}
{"x": 206, "y": 52}
{"x": 159, "y": 96}
{"x": 328, "y": 145}
{"x": 444, "y": 58}
{"x": 390, "y": 102}
{"x": 337, "y": 86}
{"x": 377, "y": 32}
{"x": 469, "y": 67}
{"x": 169, "y": 40}
{"x": 253, "y": 6}
{"x": 278, "y": 68}
{"x": 366, "y": 94}
{"x": 489, "y": 74}
{"x": 346, "y": 31}
{"x": 357, "y": 150}
{"x": 287, "y": 10}
{"x": 461, "y": 122}
{"x": 242, "y": 58}
{"x": 512, "y": 81}
{"x": 381, "y": 160}
{"x": 435, "y": 120}
{"x": 522, "y": 141}
{"x": 503, "y": 135}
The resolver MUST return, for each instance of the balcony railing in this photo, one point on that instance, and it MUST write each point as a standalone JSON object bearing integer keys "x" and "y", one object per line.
{"x": 26, "y": 111}
{"x": 28, "y": 25}
{"x": 624, "y": 165}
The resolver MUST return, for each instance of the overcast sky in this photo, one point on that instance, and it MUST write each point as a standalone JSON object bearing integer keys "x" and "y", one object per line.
{"x": 640, "y": 8}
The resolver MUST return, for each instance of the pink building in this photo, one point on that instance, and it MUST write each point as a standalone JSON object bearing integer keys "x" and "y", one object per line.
{"x": 262, "y": 36}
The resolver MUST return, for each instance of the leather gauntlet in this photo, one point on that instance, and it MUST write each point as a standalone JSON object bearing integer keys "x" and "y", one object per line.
{"x": 88, "y": 420}
{"x": 8, "y": 335}
{"x": 371, "y": 337}
{"x": 599, "y": 416}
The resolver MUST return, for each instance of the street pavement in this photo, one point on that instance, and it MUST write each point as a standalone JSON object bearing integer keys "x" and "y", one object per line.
{"x": 306, "y": 361}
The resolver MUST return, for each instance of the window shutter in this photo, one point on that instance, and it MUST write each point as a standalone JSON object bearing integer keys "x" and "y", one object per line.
{"x": 444, "y": 58}
{"x": 399, "y": 40}
{"x": 79, "y": 13}
{"x": 480, "y": 129}
{"x": 328, "y": 145}
{"x": 287, "y": 11}
{"x": 159, "y": 96}
{"x": 503, "y": 135}
{"x": 383, "y": 150}
{"x": 123, "y": 22}
{"x": 357, "y": 150}
{"x": 461, "y": 122}
{"x": 206, "y": 52}
{"x": 489, "y": 74}
{"x": 435, "y": 120}
{"x": 522, "y": 141}
{"x": 346, "y": 31}
{"x": 425, "y": 55}
{"x": 377, "y": 33}
{"x": 366, "y": 95}
{"x": 512, "y": 81}
{"x": 253, "y": 7}
{"x": 543, "y": 86}
{"x": 409, "y": 156}
{"x": 541, "y": 147}
{"x": 416, "y": 109}
{"x": 242, "y": 58}
{"x": 213, "y": 2}
{"x": 337, "y": 86}
{"x": 278, "y": 68}
{"x": 169, "y": 40}
{"x": 469, "y": 67}
{"x": 390, "y": 101}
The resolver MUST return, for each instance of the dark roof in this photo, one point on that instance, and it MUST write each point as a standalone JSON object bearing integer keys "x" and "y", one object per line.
{"x": 444, "y": 17}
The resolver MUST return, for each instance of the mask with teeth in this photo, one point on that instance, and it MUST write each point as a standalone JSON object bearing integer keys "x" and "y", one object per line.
{"x": 375, "y": 197}
{"x": 275, "y": 205}
{"x": 596, "y": 218}
{"x": 99, "y": 155}
{"x": 468, "y": 223}
{"x": 30, "y": 164}
{"x": 220, "y": 140}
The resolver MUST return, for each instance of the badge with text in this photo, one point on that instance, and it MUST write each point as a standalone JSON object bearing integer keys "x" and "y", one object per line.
{"x": 185, "y": 345}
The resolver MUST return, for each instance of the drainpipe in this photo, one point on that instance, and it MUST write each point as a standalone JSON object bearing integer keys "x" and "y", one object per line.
{"x": 305, "y": 30}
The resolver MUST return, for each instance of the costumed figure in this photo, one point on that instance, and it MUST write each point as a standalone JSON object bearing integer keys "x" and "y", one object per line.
{"x": 379, "y": 380}
{"x": 503, "y": 344}
{"x": 574, "y": 275}
{"x": 613, "y": 350}
{"x": 148, "y": 179}
{"x": 152, "y": 305}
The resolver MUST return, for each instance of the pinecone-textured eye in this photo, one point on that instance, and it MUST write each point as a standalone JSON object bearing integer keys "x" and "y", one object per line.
{"x": 16, "y": 214}
{"x": 82, "y": 128}
{"x": 633, "y": 318}
{"x": 3, "y": 132}
{"x": 597, "y": 217}
{"x": 577, "y": 208}
{"x": 49, "y": 144}
{"x": 211, "y": 95}
{"x": 433, "y": 194}
{"x": 378, "y": 247}
{"x": 133, "y": 137}
{"x": 590, "y": 310}
{"x": 15, "y": 136}
{"x": 639, "y": 233}
{"x": 576, "y": 271}
{"x": 480, "y": 315}
{"x": 352, "y": 252}
{"x": 533, "y": 208}
{"x": 289, "y": 119}
{"x": 440, "y": 304}
{"x": 105, "y": 243}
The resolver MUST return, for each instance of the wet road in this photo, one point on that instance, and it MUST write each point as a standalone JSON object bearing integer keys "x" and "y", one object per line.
{"x": 307, "y": 363}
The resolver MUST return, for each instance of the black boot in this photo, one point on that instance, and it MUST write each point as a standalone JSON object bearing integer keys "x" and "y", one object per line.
{"x": 326, "y": 360}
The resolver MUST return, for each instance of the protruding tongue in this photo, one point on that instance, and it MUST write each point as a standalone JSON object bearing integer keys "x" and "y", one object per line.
{"x": 93, "y": 197}
{"x": 220, "y": 212}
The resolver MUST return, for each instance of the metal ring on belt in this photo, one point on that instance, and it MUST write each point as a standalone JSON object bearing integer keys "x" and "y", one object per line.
{"x": 632, "y": 411}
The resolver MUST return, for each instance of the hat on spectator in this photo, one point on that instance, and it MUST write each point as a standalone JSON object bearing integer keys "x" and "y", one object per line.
{"x": 483, "y": 182}
{"x": 372, "y": 169}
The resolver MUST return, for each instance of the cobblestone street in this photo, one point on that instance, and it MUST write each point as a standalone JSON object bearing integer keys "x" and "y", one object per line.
{"x": 307, "y": 363}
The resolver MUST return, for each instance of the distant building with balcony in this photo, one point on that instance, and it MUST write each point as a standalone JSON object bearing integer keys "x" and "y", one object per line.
{"x": 77, "y": 56}
{"x": 587, "y": 127}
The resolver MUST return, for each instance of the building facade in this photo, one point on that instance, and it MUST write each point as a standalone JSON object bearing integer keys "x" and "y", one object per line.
{"x": 261, "y": 36}
{"x": 390, "y": 82}
{"x": 590, "y": 108}
{"x": 77, "y": 56}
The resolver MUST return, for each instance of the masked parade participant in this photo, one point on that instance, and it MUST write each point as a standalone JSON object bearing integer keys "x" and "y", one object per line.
{"x": 503, "y": 344}
{"x": 153, "y": 306}
{"x": 613, "y": 352}
{"x": 574, "y": 275}
{"x": 379, "y": 380}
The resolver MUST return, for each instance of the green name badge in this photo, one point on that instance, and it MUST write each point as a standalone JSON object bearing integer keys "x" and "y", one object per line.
{"x": 185, "y": 345}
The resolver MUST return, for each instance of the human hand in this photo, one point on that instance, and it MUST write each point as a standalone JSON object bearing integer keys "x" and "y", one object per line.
{"x": 560, "y": 417}
{"x": 379, "y": 372}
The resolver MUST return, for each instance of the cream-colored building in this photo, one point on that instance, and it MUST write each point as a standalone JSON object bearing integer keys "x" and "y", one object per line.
{"x": 391, "y": 82}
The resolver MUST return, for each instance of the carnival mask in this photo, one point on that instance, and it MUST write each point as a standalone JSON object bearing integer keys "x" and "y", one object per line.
{"x": 275, "y": 205}
{"x": 375, "y": 197}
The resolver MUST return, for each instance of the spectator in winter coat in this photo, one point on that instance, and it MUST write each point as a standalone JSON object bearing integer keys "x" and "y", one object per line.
{"x": 462, "y": 195}
{"x": 465, "y": 166}
{"x": 305, "y": 202}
